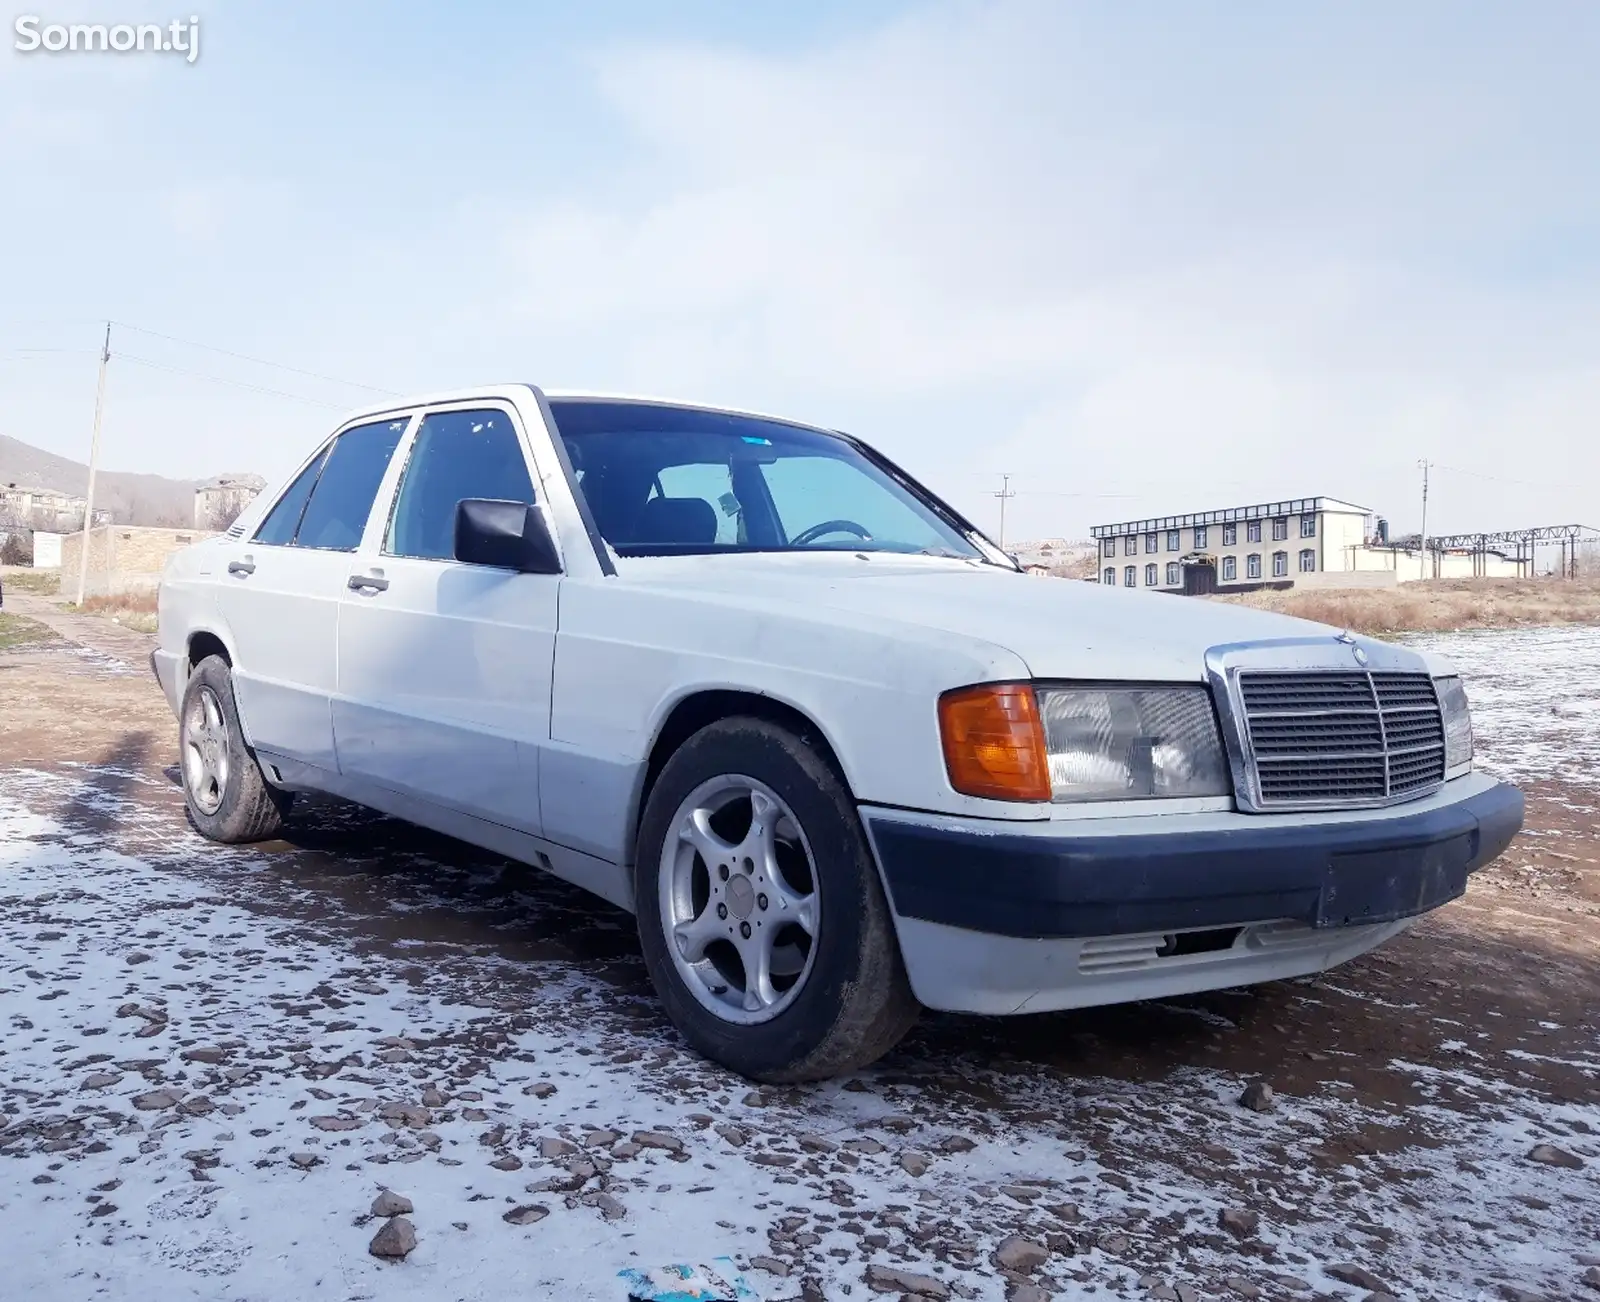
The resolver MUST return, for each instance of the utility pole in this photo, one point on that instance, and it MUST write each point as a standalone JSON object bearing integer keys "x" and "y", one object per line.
{"x": 1425, "y": 466}
{"x": 94, "y": 462}
{"x": 1004, "y": 495}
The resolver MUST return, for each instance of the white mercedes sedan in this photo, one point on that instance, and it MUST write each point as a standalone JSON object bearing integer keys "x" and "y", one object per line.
{"x": 752, "y": 682}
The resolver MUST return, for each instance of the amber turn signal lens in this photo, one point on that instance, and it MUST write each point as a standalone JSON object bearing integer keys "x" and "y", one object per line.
{"x": 994, "y": 742}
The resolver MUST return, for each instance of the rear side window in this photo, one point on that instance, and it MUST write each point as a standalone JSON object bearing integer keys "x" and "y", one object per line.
{"x": 281, "y": 522}
{"x": 342, "y": 499}
{"x": 457, "y": 454}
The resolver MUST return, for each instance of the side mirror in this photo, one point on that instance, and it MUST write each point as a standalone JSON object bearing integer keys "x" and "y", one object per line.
{"x": 510, "y": 535}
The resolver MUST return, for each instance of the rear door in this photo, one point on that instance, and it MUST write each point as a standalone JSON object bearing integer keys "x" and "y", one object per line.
{"x": 444, "y": 668}
{"x": 280, "y": 594}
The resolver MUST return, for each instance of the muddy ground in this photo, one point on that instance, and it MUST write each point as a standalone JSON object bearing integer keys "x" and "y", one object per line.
{"x": 212, "y": 1060}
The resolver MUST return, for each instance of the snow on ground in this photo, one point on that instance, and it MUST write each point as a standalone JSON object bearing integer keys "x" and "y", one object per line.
{"x": 215, "y": 1059}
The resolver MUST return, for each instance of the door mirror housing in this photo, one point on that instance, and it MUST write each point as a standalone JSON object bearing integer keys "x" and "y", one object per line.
{"x": 509, "y": 535}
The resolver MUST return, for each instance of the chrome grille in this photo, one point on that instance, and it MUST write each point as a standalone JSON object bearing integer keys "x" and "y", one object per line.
{"x": 1341, "y": 737}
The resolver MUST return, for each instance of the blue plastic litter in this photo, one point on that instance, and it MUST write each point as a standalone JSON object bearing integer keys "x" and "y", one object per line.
{"x": 718, "y": 1282}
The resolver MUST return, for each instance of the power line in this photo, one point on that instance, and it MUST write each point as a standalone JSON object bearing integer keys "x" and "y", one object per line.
{"x": 258, "y": 361}
{"x": 235, "y": 384}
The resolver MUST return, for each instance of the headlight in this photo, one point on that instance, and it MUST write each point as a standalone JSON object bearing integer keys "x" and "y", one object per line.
{"x": 1457, "y": 726}
{"x": 1011, "y": 741}
{"x": 1132, "y": 743}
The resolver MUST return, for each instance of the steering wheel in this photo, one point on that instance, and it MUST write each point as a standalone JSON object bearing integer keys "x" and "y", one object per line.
{"x": 807, "y": 536}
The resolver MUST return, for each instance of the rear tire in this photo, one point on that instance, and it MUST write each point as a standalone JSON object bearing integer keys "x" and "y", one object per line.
{"x": 228, "y": 797}
{"x": 828, "y": 999}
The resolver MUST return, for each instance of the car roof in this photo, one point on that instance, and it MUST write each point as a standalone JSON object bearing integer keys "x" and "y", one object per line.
{"x": 510, "y": 392}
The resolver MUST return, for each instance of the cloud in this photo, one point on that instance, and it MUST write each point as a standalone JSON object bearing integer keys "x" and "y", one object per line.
{"x": 1185, "y": 260}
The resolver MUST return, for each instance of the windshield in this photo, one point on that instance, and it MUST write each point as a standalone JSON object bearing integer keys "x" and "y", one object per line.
{"x": 666, "y": 481}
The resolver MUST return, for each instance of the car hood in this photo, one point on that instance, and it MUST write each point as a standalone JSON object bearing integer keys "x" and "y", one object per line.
{"x": 1060, "y": 628}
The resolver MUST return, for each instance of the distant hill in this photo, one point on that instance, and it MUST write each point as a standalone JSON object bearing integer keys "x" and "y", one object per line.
{"x": 131, "y": 498}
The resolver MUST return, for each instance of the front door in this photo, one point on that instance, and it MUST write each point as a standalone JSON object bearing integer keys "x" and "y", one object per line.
{"x": 444, "y": 668}
{"x": 279, "y": 594}
{"x": 1199, "y": 577}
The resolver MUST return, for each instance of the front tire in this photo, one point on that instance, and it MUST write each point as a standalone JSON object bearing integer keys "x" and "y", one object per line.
{"x": 229, "y": 799}
{"x": 763, "y": 922}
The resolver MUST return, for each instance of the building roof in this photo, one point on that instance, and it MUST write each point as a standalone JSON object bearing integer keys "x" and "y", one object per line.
{"x": 1260, "y": 511}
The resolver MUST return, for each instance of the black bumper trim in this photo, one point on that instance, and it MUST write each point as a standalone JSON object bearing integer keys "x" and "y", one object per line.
{"x": 1078, "y": 884}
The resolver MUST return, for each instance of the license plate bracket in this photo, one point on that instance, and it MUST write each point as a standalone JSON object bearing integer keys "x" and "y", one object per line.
{"x": 1383, "y": 885}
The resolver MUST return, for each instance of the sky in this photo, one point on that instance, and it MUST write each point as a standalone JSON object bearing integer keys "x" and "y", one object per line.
{"x": 1141, "y": 259}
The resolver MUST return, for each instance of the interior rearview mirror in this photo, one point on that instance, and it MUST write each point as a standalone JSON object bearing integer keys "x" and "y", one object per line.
{"x": 511, "y": 535}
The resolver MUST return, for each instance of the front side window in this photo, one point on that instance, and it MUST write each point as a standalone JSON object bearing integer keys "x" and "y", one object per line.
{"x": 1110, "y": 576}
{"x": 1252, "y": 531}
{"x": 278, "y": 528}
{"x": 1201, "y": 536}
{"x": 1252, "y": 565}
{"x": 1230, "y": 568}
{"x": 1130, "y": 577}
{"x": 1172, "y": 573}
{"x": 1280, "y": 564}
{"x": 1230, "y": 534}
{"x": 342, "y": 499}
{"x": 456, "y": 454}
{"x": 662, "y": 480}
{"x": 1280, "y": 528}
{"x": 1308, "y": 526}
{"x": 1149, "y": 576}
{"x": 1308, "y": 560}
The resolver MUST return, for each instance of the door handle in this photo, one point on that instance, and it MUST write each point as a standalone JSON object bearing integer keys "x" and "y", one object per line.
{"x": 244, "y": 569}
{"x": 358, "y": 582}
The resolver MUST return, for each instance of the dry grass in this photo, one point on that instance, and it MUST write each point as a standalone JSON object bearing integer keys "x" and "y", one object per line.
{"x": 1439, "y": 604}
{"x": 19, "y": 633}
{"x": 44, "y": 582}
{"x": 136, "y": 610}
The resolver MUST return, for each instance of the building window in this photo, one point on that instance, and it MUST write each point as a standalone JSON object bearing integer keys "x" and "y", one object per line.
{"x": 1108, "y": 547}
{"x": 1174, "y": 542}
{"x": 1172, "y": 574}
{"x": 1308, "y": 526}
{"x": 1280, "y": 528}
{"x": 1150, "y": 540}
{"x": 1252, "y": 565}
{"x": 1150, "y": 575}
{"x": 1130, "y": 577}
{"x": 1280, "y": 564}
{"x": 1200, "y": 535}
{"x": 1230, "y": 535}
{"x": 1111, "y": 576}
{"x": 1308, "y": 560}
{"x": 1130, "y": 546}
{"x": 1230, "y": 568}
{"x": 1252, "y": 531}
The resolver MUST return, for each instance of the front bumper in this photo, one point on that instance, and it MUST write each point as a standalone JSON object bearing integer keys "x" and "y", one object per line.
{"x": 168, "y": 669}
{"x": 998, "y": 917}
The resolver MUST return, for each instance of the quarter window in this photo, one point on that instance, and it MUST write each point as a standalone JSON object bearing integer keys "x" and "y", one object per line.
{"x": 1230, "y": 568}
{"x": 1172, "y": 574}
{"x": 1252, "y": 565}
{"x": 1130, "y": 577}
{"x": 457, "y": 454}
{"x": 1308, "y": 526}
{"x": 1230, "y": 534}
{"x": 1252, "y": 531}
{"x": 277, "y": 530}
{"x": 1200, "y": 537}
{"x": 1308, "y": 560}
{"x": 1280, "y": 528}
{"x": 342, "y": 500}
{"x": 1280, "y": 564}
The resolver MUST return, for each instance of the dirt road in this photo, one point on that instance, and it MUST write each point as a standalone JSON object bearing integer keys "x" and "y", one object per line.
{"x": 214, "y": 1059}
